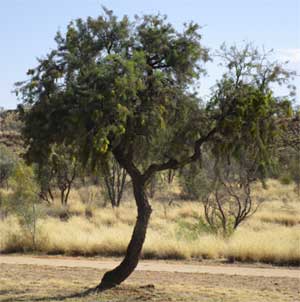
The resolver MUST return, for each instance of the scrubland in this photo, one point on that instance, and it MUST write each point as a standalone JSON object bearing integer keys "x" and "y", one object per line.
{"x": 86, "y": 227}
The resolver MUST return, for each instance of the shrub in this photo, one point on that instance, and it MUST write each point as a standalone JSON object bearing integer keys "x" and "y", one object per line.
{"x": 8, "y": 163}
{"x": 23, "y": 200}
{"x": 285, "y": 179}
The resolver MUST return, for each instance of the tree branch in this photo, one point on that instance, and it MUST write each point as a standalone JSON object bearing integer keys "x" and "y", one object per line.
{"x": 174, "y": 163}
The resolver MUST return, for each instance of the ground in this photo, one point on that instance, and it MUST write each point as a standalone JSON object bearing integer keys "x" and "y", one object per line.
{"x": 19, "y": 282}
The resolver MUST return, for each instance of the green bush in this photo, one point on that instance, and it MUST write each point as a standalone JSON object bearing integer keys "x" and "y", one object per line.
{"x": 24, "y": 199}
{"x": 8, "y": 163}
{"x": 285, "y": 179}
{"x": 191, "y": 231}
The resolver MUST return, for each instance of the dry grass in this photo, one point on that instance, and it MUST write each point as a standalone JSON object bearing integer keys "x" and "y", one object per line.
{"x": 271, "y": 235}
{"x": 275, "y": 244}
{"x": 280, "y": 212}
{"x": 38, "y": 283}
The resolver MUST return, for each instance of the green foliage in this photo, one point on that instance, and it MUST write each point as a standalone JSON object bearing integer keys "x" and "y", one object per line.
{"x": 23, "y": 199}
{"x": 121, "y": 87}
{"x": 288, "y": 150}
{"x": 24, "y": 187}
{"x": 45, "y": 179}
{"x": 285, "y": 179}
{"x": 125, "y": 87}
{"x": 288, "y": 163}
{"x": 247, "y": 110}
{"x": 8, "y": 162}
{"x": 116, "y": 85}
{"x": 191, "y": 231}
{"x": 57, "y": 171}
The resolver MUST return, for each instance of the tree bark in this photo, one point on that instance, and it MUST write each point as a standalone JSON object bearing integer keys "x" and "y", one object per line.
{"x": 129, "y": 263}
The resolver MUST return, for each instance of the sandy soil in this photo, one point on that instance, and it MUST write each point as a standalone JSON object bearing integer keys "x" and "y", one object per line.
{"x": 32, "y": 283}
{"x": 153, "y": 266}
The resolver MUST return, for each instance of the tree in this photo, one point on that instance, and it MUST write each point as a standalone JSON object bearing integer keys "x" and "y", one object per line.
{"x": 288, "y": 145}
{"x": 59, "y": 169}
{"x": 245, "y": 148}
{"x": 121, "y": 87}
{"x": 252, "y": 128}
{"x": 229, "y": 201}
{"x": 114, "y": 181}
{"x": 45, "y": 174}
{"x": 8, "y": 163}
{"x": 65, "y": 170}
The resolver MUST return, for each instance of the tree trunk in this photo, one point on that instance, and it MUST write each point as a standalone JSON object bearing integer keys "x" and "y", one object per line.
{"x": 129, "y": 263}
{"x": 62, "y": 196}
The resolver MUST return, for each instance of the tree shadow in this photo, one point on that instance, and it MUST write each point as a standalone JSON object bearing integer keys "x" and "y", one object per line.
{"x": 55, "y": 297}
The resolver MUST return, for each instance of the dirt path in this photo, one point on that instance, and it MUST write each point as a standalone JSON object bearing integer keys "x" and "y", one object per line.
{"x": 154, "y": 266}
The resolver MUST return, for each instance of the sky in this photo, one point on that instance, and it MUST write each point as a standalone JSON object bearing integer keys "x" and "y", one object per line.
{"x": 28, "y": 27}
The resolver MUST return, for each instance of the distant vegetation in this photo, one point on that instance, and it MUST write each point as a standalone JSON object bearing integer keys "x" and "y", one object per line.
{"x": 37, "y": 216}
{"x": 178, "y": 231}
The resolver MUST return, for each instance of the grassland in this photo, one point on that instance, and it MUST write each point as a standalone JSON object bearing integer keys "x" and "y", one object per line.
{"x": 84, "y": 228}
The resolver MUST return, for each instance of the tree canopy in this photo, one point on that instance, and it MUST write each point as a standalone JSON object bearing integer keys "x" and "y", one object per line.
{"x": 125, "y": 88}
{"x": 122, "y": 85}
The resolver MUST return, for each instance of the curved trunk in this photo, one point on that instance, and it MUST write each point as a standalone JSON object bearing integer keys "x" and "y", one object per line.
{"x": 129, "y": 263}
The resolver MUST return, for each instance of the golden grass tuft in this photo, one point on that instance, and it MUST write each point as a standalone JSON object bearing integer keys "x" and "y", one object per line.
{"x": 11, "y": 235}
{"x": 79, "y": 236}
{"x": 271, "y": 235}
{"x": 278, "y": 244}
{"x": 280, "y": 212}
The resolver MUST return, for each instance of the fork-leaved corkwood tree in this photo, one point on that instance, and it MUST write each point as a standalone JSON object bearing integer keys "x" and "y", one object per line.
{"x": 125, "y": 88}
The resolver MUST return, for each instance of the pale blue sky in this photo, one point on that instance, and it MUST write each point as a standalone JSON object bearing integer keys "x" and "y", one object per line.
{"x": 27, "y": 29}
